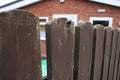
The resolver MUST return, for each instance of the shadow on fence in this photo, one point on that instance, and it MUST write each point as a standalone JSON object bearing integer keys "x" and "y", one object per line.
{"x": 84, "y": 52}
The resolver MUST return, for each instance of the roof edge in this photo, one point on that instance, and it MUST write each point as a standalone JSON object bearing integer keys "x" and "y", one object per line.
{"x": 109, "y": 2}
{"x": 18, "y": 5}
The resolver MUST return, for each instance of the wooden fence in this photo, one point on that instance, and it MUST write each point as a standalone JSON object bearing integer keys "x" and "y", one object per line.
{"x": 92, "y": 54}
{"x": 84, "y": 52}
{"x": 19, "y": 46}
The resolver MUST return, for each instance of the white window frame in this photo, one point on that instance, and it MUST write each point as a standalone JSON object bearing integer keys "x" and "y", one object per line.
{"x": 43, "y": 23}
{"x": 43, "y": 33}
{"x": 110, "y": 19}
{"x": 73, "y": 17}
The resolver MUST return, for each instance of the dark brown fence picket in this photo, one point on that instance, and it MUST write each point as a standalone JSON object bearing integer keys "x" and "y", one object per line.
{"x": 113, "y": 54}
{"x": 19, "y": 46}
{"x": 96, "y": 51}
{"x": 117, "y": 58}
{"x": 60, "y": 49}
{"x": 118, "y": 75}
{"x": 86, "y": 53}
{"x": 83, "y": 52}
{"x": 99, "y": 48}
{"x": 76, "y": 52}
{"x": 107, "y": 52}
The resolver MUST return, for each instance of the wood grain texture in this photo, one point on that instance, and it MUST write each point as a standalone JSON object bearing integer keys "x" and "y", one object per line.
{"x": 85, "y": 51}
{"x": 107, "y": 52}
{"x": 118, "y": 75}
{"x": 116, "y": 64}
{"x": 99, "y": 47}
{"x": 113, "y": 53}
{"x": 19, "y": 46}
{"x": 76, "y": 52}
{"x": 60, "y": 49}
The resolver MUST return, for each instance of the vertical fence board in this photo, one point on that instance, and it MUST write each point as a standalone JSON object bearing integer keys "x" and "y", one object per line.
{"x": 118, "y": 77}
{"x": 76, "y": 52}
{"x": 96, "y": 55}
{"x": 117, "y": 58}
{"x": 113, "y": 54}
{"x": 85, "y": 51}
{"x": 48, "y": 51}
{"x": 19, "y": 46}
{"x": 61, "y": 44}
{"x": 108, "y": 39}
{"x": 99, "y": 45}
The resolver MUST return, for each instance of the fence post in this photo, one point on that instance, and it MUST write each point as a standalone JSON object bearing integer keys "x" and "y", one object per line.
{"x": 116, "y": 64}
{"x": 83, "y": 51}
{"x": 98, "y": 52}
{"x": 60, "y": 49}
{"x": 113, "y": 53}
{"x": 118, "y": 76}
{"x": 19, "y": 46}
{"x": 107, "y": 52}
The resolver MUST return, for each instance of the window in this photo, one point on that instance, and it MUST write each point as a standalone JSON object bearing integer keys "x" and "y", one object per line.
{"x": 42, "y": 23}
{"x": 73, "y": 17}
{"x": 43, "y": 20}
{"x": 106, "y": 21}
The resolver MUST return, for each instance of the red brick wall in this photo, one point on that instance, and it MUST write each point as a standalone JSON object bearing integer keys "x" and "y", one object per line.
{"x": 83, "y": 8}
{"x": 43, "y": 47}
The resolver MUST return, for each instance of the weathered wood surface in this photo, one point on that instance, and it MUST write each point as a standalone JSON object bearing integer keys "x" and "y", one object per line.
{"x": 76, "y": 52}
{"x": 94, "y": 56}
{"x": 113, "y": 53}
{"x": 19, "y": 46}
{"x": 98, "y": 52}
{"x": 107, "y": 52}
{"x": 60, "y": 49}
{"x": 116, "y": 64}
{"x": 118, "y": 75}
{"x": 83, "y": 52}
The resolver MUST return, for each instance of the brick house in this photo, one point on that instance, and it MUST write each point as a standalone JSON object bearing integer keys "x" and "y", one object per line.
{"x": 106, "y": 12}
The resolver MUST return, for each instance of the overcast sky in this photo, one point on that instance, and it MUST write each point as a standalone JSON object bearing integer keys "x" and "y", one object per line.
{"x": 3, "y": 2}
